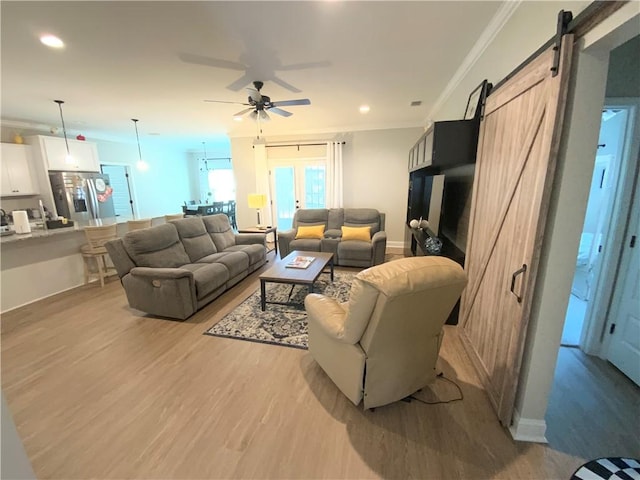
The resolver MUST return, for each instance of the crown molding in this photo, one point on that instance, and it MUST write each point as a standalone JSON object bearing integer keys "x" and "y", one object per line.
{"x": 493, "y": 28}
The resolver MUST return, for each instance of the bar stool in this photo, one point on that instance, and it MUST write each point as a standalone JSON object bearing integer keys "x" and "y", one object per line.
{"x": 176, "y": 216}
{"x": 94, "y": 249}
{"x": 138, "y": 224}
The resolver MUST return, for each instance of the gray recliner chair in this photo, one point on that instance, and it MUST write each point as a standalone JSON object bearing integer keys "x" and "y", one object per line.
{"x": 351, "y": 253}
{"x": 391, "y": 328}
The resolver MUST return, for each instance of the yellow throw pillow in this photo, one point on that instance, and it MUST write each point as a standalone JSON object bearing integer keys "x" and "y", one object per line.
{"x": 356, "y": 233}
{"x": 314, "y": 231}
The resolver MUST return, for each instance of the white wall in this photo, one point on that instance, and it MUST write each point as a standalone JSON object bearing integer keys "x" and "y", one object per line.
{"x": 529, "y": 27}
{"x": 161, "y": 189}
{"x": 374, "y": 168}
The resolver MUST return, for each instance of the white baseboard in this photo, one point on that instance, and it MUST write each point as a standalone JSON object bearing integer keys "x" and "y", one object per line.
{"x": 395, "y": 244}
{"x": 528, "y": 429}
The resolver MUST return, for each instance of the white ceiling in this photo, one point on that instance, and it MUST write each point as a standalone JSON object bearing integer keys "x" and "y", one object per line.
{"x": 126, "y": 60}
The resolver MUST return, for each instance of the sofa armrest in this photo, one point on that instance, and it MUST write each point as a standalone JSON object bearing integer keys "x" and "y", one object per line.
{"x": 167, "y": 292}
{"x": 329, "y": 315}
{"x": 161, "y": 273}
{"x": 251, "y": 239}
{"x": 284, "y": 241}
{"x": 379, "y": 245}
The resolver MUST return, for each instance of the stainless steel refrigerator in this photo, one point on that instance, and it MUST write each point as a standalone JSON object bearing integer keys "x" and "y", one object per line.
{"x": 82, "y": 196}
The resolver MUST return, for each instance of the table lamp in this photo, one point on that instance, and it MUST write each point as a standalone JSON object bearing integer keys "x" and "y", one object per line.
{"x": 257, "y": 201}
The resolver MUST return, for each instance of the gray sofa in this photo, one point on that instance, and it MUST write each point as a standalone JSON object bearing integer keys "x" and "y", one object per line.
{"x": 352, "y": 253}
{"x": 176, "y": 268}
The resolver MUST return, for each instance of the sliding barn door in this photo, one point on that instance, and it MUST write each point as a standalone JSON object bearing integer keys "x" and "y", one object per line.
{"x": 514, "y": 174}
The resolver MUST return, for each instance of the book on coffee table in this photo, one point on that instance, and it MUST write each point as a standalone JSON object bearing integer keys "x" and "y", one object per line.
{"x": 300, "y": 262}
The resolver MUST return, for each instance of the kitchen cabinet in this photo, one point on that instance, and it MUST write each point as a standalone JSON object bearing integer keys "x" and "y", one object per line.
{"x": 53, "y": 153}
{"x": 16, "y": 175}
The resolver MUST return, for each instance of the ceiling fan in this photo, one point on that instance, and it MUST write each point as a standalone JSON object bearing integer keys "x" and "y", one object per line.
{"x": 260, "y": 104}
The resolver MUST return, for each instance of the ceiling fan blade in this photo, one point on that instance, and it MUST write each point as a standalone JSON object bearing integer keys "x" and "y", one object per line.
{"x": 279, "y": 111}
{"x": 254, "y": 94}
{"x": 285, "y": 103}
{"x": 223, "y": 101}
{"x": 286, "y": 85}
{"x": 211, "y": 62}
{"x": 263, "y": 116}
{"x": 242, "y": 112}
{"x": 239, "y": 83}
{"x": 304, "y": 66}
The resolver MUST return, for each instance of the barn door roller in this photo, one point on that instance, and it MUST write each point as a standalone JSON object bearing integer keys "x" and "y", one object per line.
{"x": 564, "y": 18}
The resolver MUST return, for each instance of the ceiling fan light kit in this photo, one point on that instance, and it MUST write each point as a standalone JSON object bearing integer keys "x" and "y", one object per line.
{"x": 260, "y": 104}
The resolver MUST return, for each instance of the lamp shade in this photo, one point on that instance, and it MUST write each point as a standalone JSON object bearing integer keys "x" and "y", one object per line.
{"x": 257, "y": 200}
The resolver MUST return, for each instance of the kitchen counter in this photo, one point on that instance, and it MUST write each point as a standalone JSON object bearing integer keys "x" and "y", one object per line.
{"x": 42, "y": 263}
{"x": 40, "y": 232}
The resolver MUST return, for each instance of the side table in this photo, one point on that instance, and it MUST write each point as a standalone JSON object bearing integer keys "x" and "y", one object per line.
{"x": 265, "y": 230}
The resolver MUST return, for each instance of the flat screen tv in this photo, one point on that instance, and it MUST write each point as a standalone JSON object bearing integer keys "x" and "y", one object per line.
{"x": 425, "y": 199}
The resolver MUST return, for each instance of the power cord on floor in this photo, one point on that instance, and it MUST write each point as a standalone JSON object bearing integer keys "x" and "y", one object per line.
{"x": 440, "y": 375}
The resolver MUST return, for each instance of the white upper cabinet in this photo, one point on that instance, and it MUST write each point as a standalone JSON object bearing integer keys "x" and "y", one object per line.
{"x": 17, "y": 178}
{"x": 84, "y": 155}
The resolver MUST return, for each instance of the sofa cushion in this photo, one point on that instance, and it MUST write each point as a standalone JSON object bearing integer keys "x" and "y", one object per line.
{"x": 194, "y": 237}
{"x": 220, "y": 230}
{"x": 356, "y": 233}
{"x": 156, "y": 247}
{"x": 308, "y": 244}
{"x": 236, "y": 262}
{"x": 333, "y": 233}
{"x": 208, "y": 277}
{"x": 315, "y": 231}
{"x": 362, "y": 217}
{"x": 355, "y": 250}
{"x": 255, "y": 253}
{"x": 335, "y": 218}
{"x": 311, "y": 216}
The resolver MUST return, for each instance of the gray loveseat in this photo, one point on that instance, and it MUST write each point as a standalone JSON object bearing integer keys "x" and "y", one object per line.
{"x": 352, "y": 253}
{"x": 174, "y": 269}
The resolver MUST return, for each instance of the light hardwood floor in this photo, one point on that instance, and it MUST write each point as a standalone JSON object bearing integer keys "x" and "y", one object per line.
{"x": 101, "y": 391}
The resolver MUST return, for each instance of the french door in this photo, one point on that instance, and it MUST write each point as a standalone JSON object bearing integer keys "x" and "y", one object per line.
{"x": 516, "y": 158}
{"x": 296, "y": 184}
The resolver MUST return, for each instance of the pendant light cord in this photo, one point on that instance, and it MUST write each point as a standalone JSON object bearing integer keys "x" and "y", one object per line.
{"x": 64, "y": 130}
{"x": 135, "y": 124}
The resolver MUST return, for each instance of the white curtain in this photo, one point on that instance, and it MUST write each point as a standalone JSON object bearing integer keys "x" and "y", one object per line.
{"x": 334, "y": 175}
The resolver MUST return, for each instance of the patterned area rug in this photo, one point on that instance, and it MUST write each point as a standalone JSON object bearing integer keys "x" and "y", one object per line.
{"x": 279, "y": 324}
{"x": 609, "y": 469}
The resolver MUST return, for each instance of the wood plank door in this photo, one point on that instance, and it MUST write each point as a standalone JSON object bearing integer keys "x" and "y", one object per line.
{"x": 515, "y": 166}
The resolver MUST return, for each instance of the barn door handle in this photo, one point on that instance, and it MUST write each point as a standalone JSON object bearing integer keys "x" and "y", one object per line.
{"x": 513, "y": 281}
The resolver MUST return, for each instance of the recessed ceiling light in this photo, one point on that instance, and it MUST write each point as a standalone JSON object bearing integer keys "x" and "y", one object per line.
{"x": 416, "y": 103}
{"x": 364, "y": 109}
{"x": 237, "y": 118}
{"x": 52, "y": 41}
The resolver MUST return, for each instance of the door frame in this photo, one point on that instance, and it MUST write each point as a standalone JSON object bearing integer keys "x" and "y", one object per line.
{"x": 132, "y": 186}
{"x": 594, "y": 339}
{"x": 295, "y": 163}
{"x": 569, "y": 199}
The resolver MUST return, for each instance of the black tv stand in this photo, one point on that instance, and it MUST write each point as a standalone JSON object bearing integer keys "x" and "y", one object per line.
{"x": 449, "y": 250}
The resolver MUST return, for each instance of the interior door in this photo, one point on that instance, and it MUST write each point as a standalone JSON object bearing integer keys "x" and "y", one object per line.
{"x": 624, "y": 349}
{"x": 299, "y": 184}
{"x": 514, "y": 172}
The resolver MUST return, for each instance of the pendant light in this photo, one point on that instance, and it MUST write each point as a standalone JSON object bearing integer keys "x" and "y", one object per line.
{"x": 141, "y": 165}
{"x": 68, "y": 159}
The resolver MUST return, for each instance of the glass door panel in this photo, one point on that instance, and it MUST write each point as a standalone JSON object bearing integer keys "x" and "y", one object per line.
{"x": 299, "y": 184}
{"x": 284, "y": 196}
{"x": 314, "y": 187}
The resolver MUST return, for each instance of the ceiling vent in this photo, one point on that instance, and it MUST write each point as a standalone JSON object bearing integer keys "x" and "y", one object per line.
{"x": 416, "y": 103}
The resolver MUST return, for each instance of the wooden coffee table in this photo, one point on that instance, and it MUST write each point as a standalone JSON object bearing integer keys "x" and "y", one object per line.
{"x": 280, "y": 273}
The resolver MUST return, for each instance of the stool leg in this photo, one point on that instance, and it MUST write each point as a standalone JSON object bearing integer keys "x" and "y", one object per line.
{"x": 100, "y": 271}
{"x": 86, "y": 269}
